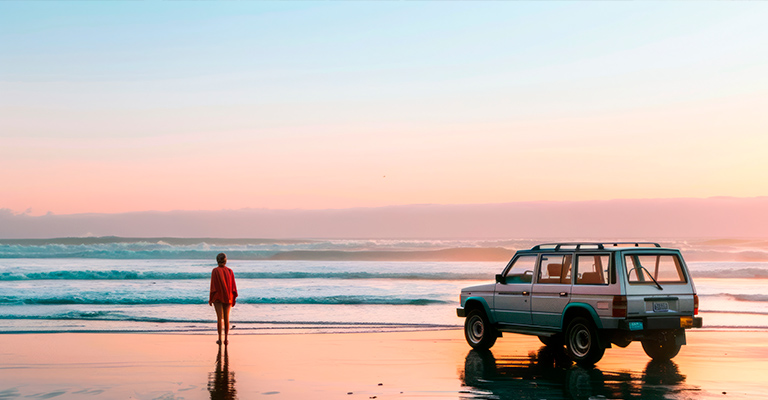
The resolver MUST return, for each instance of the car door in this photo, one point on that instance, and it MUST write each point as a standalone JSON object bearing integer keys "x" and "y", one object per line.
{"x": 512, "y": 295}
{"x": 551, "y": 290}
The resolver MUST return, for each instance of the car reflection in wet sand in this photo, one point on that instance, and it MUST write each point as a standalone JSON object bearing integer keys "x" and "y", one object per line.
{"x": 550, "y": 374}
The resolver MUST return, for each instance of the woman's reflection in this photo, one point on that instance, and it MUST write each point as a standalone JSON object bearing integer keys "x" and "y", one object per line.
{"x": 221, "y": 383}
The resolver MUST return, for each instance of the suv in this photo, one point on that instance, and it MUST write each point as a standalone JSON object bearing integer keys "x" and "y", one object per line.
{"x": 587, "y": 296}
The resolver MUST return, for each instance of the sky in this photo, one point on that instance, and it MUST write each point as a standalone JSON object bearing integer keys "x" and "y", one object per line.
{"x": 116, "y": 107}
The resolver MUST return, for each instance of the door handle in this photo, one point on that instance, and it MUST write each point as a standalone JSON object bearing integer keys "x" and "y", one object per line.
{"x": 525, "y": 293}
{"x": 563, "y": 294}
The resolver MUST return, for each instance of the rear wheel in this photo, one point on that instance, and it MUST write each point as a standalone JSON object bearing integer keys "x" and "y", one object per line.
{"x": 478, "y": 331}
{"x": 582, "y": 342}
{"x": 662, "y": 348}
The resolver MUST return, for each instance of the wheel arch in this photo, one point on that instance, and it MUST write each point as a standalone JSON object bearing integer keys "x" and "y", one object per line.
{"x": 479, "y": 303}
{"x": 574, "y": 310}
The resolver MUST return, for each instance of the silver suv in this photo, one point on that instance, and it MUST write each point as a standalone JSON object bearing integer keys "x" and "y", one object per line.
{"x": 587, "y": 296}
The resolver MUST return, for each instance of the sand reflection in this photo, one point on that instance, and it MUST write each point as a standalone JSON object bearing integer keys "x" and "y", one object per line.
{"x": 548, "y": 373}
{"x": 221, "y": 383}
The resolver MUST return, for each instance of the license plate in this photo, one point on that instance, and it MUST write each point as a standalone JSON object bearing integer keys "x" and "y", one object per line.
{"x": 660, "y": 306}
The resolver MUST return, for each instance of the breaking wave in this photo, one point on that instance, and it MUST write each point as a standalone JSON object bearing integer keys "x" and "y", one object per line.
{"x": 748, "y": 297}
{"x": 739, "y": 297}
{"x": 332, "y": 249}
{"x": 104, "y": 299}
{"x": 155, "y": 275}
{"x": 734, "y": 312}
{"x": 101, "y": 316}
{"x": 119, "y": 316}
{"x": 733, "y": 273}
{"x": 255, "y": 249}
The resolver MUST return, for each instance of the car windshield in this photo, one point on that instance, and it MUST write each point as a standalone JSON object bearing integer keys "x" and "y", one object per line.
{"x": 645, "y": 268}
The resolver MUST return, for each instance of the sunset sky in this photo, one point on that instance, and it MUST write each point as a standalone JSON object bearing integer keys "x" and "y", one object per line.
{"x": 111, "y": 107}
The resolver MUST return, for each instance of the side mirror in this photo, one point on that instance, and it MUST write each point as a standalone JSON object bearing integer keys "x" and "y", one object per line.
{"x": 501, "y": 279}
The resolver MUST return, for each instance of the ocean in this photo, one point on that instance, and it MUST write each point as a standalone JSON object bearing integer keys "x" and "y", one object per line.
{"x": 161, "y": 284}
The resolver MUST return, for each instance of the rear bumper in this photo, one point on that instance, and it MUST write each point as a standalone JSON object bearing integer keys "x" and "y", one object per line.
{"x": 660, "y": 323}
{"x": 461, "y": 312}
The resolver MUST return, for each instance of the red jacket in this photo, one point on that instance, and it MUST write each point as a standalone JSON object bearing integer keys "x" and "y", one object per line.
{"x": 223, "y": 287}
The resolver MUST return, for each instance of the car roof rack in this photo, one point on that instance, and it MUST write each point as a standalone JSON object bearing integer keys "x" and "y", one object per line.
{"x": 591, "y": 246}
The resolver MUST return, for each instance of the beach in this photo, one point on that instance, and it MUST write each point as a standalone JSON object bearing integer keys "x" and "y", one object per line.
{"x": 115, "y": 318}
{"x": 404, "y": 365}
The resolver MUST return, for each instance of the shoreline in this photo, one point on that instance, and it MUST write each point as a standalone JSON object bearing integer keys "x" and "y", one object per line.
{"x": 302, "y": 329}
{"x": 416, "y": 364}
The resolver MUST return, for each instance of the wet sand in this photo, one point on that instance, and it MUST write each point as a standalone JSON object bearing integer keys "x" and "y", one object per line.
{"x": 404, "y": 365}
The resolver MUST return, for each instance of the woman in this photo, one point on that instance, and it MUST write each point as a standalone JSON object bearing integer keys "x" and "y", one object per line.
{"x": 223, "y": 295}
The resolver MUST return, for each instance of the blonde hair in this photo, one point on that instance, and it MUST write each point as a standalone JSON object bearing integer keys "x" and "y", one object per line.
{"x": 220, "y": 258}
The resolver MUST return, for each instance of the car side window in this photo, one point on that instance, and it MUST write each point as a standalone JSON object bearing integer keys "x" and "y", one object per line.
{"x": 555, "y": 268}
{"x": 521, "y": 270}
{"x": 592, "y": 269}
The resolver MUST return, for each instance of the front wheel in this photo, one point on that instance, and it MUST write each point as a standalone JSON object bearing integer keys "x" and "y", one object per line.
{"x": 661, "y": 349}
{"x": 478, "y": 331}
{"x": 582, "y": 343}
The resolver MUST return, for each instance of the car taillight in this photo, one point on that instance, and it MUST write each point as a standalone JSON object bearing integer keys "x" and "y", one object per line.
{"x": 695, "y": 304}
{"x": 619, "y": 306}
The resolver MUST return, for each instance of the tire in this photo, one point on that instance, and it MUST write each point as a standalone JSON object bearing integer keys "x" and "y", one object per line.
{"x": 552, "y": 341}
{"x": 582, "y": 343}
{"x": 478, "y": 331}
{"x": 661, "y": 349}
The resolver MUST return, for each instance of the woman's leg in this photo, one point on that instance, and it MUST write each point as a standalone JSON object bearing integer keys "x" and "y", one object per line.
{"x": 219, "y": 315}
{"x": 226, "y": 308}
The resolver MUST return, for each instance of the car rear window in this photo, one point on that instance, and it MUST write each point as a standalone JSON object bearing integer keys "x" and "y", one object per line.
{"x": 664, "y": 268}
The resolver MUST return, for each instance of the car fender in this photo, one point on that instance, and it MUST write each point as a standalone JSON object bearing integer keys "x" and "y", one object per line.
{"x": 584, "y": 306}
{"x": 484, "y": 303}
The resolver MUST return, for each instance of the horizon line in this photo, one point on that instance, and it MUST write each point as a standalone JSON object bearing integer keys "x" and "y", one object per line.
{"x": 28, "y": 212}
